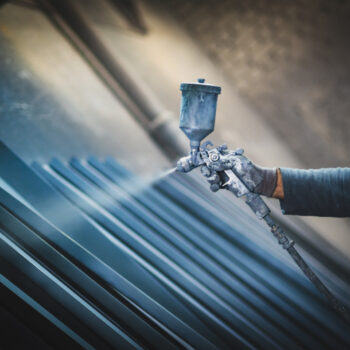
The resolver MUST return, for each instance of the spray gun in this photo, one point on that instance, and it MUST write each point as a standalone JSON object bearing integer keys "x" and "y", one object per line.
{"x": 197, "y": 119}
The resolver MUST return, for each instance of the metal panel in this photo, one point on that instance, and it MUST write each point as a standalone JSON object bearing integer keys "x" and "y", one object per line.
{"x": 152, "y": 265}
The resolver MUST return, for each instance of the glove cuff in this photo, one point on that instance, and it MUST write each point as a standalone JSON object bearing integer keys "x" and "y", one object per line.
{"x": 269, "y": 181}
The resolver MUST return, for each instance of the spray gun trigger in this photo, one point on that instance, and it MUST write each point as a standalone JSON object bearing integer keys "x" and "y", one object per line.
{"x": 234, "y": 184}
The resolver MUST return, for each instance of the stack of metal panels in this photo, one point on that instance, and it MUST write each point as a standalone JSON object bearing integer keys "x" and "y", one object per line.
{"x": 101, "y": 259}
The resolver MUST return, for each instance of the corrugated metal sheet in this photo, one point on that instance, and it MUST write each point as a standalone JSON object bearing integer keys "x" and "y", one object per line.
{"x": 113, "y": 263}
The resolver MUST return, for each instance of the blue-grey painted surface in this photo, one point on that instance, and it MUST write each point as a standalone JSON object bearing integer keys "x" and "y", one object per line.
{"x": 109, "y": 262}
{"x": 153, "y": 267}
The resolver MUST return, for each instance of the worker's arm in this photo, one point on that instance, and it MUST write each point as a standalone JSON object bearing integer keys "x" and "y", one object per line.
{"x": 322, "y": 192}
{"x": 316, "y": 192}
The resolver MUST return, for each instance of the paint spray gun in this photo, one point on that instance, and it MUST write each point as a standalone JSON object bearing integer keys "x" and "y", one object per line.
{"x": 197, "y": 119}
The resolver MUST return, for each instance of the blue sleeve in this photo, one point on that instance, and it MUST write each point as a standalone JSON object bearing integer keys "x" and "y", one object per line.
{"x": 321, "y": 192}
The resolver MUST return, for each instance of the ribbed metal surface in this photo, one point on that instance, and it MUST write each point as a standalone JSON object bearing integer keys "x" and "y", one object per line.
{"x": 113, "y": 263}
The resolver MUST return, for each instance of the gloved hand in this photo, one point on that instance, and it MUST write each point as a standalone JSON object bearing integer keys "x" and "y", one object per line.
{"x": 257, "y": 179}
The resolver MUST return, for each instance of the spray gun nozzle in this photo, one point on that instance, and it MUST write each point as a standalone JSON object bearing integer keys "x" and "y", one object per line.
{"x": 184, "y": 165}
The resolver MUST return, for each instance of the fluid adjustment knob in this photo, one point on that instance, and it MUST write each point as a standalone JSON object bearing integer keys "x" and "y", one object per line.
{"x": 214, "y": 157}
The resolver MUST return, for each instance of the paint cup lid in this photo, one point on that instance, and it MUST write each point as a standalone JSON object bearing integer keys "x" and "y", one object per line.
{"x": 200, "y": 86}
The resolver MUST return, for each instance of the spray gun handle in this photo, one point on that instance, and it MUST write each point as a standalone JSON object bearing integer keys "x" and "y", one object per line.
{"x": 239, "y": 189}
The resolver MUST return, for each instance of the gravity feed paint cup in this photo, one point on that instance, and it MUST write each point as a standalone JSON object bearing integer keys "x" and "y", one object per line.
{"x": 198, "y": 109}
